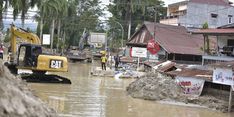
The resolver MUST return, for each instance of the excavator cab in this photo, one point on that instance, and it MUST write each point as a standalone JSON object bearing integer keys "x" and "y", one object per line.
{"x": 28, "y": 55}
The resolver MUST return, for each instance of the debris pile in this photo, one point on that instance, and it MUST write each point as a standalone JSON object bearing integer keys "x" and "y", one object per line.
{"x": 17, "y": 100}
{"x": 152, "y": 87}
{"x": 158, "y": 87}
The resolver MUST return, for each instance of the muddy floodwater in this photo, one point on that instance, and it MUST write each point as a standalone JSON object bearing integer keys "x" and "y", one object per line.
{"x": 89, "y": 96}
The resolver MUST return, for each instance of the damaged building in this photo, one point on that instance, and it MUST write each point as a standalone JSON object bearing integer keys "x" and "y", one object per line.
{"x": 175, "y": 42}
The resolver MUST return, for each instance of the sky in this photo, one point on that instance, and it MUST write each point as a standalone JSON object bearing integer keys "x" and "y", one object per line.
{"x": 32, "y": 23}
{"x": 174, "y": 1}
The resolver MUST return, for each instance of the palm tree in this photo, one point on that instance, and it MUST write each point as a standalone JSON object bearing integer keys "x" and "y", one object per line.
{"x": 51, "y": 10}
{"x": 22, "y": 6}
{"x": 1, "y": 14}
{"x": 131, "y": 6}
{"x": 3, "y": 9}
{"x": 63, "y": 13}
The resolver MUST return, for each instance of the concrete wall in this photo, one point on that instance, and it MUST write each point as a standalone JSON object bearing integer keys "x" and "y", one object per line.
{"x": 198, "y": 14}
{"x": 170, "y": 21}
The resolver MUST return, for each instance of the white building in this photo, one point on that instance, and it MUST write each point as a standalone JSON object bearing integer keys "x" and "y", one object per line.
{"x": 194, "y": 13}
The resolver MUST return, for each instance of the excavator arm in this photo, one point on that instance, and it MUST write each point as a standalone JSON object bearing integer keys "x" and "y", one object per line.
{"x": 24, "y": 35}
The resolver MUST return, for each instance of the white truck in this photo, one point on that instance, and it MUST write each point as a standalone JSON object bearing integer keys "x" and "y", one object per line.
{"x": 98, "y": 43}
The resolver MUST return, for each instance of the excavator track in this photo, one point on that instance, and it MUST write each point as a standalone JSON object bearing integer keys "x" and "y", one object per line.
{"x": 39, "y": 76}
{"x": 45, "y": 78}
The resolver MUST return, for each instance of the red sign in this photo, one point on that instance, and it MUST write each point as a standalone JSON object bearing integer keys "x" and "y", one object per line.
{"x": 153, "y": 47}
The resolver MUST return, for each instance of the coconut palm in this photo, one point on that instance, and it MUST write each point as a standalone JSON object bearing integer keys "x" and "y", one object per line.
{"x": 1, "y": 14}
{"x": 131, "y": 6}
{"x": 3, "y": 8}
{"x": 22, "y": 7}
{"x": 63, "y": 13}
{"x": 52, "y": 10}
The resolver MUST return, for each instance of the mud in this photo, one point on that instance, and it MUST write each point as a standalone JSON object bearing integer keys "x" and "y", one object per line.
{"x": 16, "y": 100}
{"x": 158, "y": 87}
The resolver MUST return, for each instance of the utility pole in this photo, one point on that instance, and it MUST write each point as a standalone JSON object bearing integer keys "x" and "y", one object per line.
{"x": 155, "y": 20}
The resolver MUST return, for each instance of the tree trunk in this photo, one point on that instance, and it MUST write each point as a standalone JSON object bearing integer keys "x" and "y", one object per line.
{"x": 1, "y": 21}
{"x": 1, "y": 13}
{"x": 58, "y": 34}
{"x": 23, "y": 23}
{"x": 63, "y": 40}
{"x": 129, "y": 27}
{"x": 23, "y": 19}
{"x": 52, "y": 35}
{"x": 41, "y": 29}
{"x": 208, "y": 44}
{"x": 129, "y": 20}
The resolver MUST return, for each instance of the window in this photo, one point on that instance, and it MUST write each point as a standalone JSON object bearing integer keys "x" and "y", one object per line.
{"x": 229, "y": 19}
{"x": 214, "y": 15}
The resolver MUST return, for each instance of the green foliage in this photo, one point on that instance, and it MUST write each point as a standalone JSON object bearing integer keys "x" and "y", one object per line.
{"x": 86, "y": 17}
{"x": 137, "y": 11}
{"x": 205, "y": 25}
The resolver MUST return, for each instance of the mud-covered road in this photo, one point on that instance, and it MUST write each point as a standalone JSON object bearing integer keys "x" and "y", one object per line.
{"x": 89, "y": 96}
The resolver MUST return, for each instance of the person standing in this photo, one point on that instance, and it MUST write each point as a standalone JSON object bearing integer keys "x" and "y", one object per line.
{"x": 103, "y": 61}
{"x": 117, "y": 60}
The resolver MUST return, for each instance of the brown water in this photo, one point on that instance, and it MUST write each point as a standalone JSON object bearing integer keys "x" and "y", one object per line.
{"x": 89, "y": 96}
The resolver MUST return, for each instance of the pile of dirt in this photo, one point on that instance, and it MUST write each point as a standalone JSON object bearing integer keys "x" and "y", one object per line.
{"x": 160, "y": 88}
{"x": 152, "y": 87}
{"x": 16, "y": 100}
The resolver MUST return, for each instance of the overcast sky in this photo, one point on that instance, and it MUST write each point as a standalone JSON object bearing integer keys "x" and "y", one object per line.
{"x": 165, "y": 1}
{"x": 174, "y": 1}
{"x": 31, "y": 23}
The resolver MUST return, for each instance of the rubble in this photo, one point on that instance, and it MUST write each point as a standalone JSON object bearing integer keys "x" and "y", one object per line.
{"x": 16, "y": 100}
{"x": 158, "y": 87}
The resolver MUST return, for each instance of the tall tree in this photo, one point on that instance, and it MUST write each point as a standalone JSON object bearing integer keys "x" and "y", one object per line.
{"x": 81, "y": 14}
{"x": 3, "y": 8}
{"x": 62, "y": 13}
{"x": 130, "y": 12}
{"x": 1, "y": 14}
{"x": 50, "y": 10}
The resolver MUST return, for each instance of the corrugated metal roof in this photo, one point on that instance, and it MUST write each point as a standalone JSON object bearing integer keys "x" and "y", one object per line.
{"x": 152, "y": 64}
{"x": 227, "y": 26}
{"x": 196, "y": 73}
{"x": 229, "y": 64}
{"x": 165, "y": 66}
{"x": 174, "y": 39}
{"x": 212, "y": 2}
{"x": 214, "y": 31}
{"x": 178, "y": 3}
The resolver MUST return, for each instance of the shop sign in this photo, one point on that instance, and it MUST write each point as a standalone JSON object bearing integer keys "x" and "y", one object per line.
{"x": 223, "y": 76}
{"x": 139, "y": 52}
{"x": 189, "y": 85}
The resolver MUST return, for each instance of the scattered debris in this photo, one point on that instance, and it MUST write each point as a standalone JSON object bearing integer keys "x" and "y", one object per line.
{"x": 158, "y": 87}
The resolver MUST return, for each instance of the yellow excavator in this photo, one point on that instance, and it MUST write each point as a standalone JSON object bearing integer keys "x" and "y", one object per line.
{"x": 28, "y": 55}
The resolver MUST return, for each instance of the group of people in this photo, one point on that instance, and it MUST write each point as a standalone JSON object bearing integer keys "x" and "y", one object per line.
{"x": 104, "y": 61}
